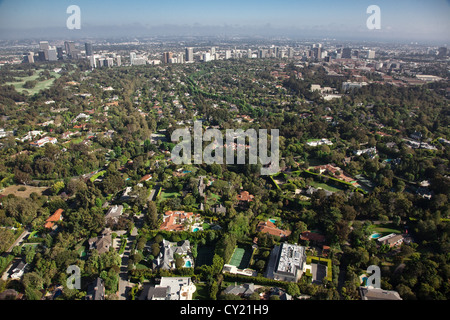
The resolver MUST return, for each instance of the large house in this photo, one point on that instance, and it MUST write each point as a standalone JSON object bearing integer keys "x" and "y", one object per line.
{"x": 165, "y": 259}
{"x": 172, "y": 288}
{"x": 114, "y": 213}
{"x": 50, "y": 222}
{"x": 391, "y": 240}
{"x": 175, "y": 220}
{"x": 96, "y": 290}
{"x": 244, "y": 290}
{"x": 270, "y": 228}
{"x": 286, "y": 262}
{"x": 244, "y": 198}
{"x": 368, "y": 293}
{"x": 42, "y": 142}
{"x": 102, "y": 243}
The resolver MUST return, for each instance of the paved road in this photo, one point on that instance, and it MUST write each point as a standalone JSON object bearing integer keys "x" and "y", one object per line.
{"x": 124, "y": 284}
{"x": 19, "y": 239}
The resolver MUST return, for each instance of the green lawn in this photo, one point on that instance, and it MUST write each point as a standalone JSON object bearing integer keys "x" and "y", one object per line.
{"x": 201, "y": 292}
{"x": 169, "y": 194}
{"x": 41, "y": 85}
{"x": 324, "y": 186}
{"x": 384, "y": 229}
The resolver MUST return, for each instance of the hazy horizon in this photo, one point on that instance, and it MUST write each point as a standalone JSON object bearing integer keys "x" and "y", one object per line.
{"x": 401, "y": 20}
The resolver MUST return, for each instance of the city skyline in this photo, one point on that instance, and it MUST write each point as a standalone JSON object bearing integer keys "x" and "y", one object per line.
{"x": 402, "y": 20}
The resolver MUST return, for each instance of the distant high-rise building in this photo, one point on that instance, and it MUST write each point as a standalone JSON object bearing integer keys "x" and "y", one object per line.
{"x": 42, "y": 55}
{"x": 442, "y": 52}
{"x": 52, "y": 54}
{"x": 206, "y": 57}
{"x": 228, "y": 54}
{"x": 92, "y": 61}
{"x": 317, "y": 52}
{"x": 213, "y": 51}
{"x": 118, "y": 60}
{"x": 70, "y": 49}
{"x": 109, "y": 62}
{"x": 249, "y": 53}
{"x": 167, "y": 56}
{"x": 43, "y": 45}
{"x": 88, "y": 47}
{"x": 290, "y": 53}
{"x": 59, "y": 53}
{"x": 189, "y": 54}
{"x": 30, "y": 57}
{"x": 370, "y": 54}
{"x": 132, "y": 57}
{"x": 346, "y": 53}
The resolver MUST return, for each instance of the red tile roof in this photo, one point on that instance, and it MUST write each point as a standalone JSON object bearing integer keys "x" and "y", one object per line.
{"x": 53, "y": 218}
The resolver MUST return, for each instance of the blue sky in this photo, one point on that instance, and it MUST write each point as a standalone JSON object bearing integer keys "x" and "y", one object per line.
{"x": 400, "y": 18}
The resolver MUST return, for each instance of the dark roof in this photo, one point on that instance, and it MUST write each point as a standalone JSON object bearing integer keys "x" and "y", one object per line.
{"x": 378, "y": 294}
{"x": 96, "y": 290}
{"x": 157, "y": 292}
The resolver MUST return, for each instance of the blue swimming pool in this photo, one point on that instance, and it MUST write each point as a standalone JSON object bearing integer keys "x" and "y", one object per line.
{"x": 195, "y": 229}
{"x": 273, "y": 220}
{"x": 375, "y": 236}
{"x": 188, "y": 264}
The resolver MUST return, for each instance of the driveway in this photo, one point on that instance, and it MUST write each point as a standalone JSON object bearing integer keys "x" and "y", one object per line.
{"x": 124, "y": 284}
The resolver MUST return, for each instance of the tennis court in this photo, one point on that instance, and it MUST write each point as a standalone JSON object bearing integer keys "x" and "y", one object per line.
{"x": 241, "y": 257}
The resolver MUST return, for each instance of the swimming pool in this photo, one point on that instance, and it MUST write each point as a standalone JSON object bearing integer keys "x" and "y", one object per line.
{"x": 195, "y": 230}
{"x": 188, "y": 264}
{"x": 375, "y": 236}
{"x": 273, "y": 220}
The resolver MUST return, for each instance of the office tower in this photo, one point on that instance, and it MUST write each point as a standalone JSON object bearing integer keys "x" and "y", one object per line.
{"x": 88, "y": 47}
{"x": 118, "y": 60}
{"x": 346, "y": 53}
{"x": 51, "y": 54}
{"x": 30, "y": 57}
{"x": 132, "y": 57}
{"x": 109, "y": 62}
{"x": 262, "y": 53}
{"x": 59, "y": 53}
{"x": 43, "y": 45}
{"x": 206, "y": 57}
{"x": 317, "y": 53}
{"x": 370, "y": 54}
{"x": 167, "y": 56}
{"x": 442, "y": 52}
{"x": 290, "y": 53}
{"x": 92, "y": 62}
{"x": 189, "y": 54}
{"x": 228, "y": 54}
{"x": 249, "y": 53}
{"x": 42, "y": 56}
{"x": 180, "y": 58}
{"x": 70, "y": 49}
{"x": 213, "y": 51}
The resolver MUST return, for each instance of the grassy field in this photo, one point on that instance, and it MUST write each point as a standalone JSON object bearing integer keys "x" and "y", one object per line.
{"x": 384, "y": 229}
{"x": 41, "y": 85}
{"x": 14, "y": 189}
{"x": 169, "y": 194}
{"x": 324, "y": 186}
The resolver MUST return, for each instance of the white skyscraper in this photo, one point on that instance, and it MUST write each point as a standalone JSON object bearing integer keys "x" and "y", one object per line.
{"x": 132, "y": 57}
{"x": 370, "y": 54}
{"x": 228, "y": 54}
